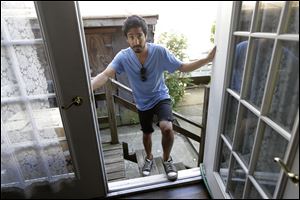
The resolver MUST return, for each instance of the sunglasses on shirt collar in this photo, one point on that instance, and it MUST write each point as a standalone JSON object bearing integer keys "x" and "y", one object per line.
{"x": 143, "y": 73}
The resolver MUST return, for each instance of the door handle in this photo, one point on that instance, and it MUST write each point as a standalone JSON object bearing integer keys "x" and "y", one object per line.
{"x": 77, "y": 101}
{"x": 294, "y": 178}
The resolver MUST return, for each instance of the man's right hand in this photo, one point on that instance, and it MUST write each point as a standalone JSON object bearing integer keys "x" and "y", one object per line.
{"x": 212, "y": 54}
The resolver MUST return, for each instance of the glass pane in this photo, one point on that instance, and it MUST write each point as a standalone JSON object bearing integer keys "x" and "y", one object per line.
{"x": 261, "y": 52}
{"x": 21, "y": 20}
{"x": 285, "y": 101}
{"x": 245, "y": 16}
{"x": 230, "y": 117}
{"x": 268, "y": 16}
{"x": 246, "y": 135}
{"x": 31, "y": 163}
{"x": 267, "y": 171}
{"x": 224, "y": 162}
{"x": 253, "y": 193}
{"x": 9, "y": 86}
{"x": 236, "y": 183}
{"x": 238, "y": 63}
{"x": 293, "y": 21}
{"x": 33, "y": 142}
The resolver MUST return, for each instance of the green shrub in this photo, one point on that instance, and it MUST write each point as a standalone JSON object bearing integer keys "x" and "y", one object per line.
{"x": 177, "y": 81}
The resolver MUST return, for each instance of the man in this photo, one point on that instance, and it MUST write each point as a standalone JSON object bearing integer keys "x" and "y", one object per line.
{"x": 144, "y": 64}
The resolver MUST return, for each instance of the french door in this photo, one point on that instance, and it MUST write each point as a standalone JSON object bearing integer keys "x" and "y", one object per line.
{"x": 48, "y": 127}
{"x": 253, "y": 116}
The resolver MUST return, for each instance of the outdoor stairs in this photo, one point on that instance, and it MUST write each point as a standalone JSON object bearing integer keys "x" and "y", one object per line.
{"x": 157, "y": 167}
{"x": 114, "y": 161}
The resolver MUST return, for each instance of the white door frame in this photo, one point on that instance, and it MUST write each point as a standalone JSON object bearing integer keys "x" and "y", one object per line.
{"x": 216, "y": 108}
{"x": 64, "y": 39}
{"x": 217, "y": 90}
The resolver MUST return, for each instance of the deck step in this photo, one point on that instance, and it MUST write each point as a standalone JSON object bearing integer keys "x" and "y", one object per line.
{"x": 114, "y": 161}
{"x": 158, "y": 167}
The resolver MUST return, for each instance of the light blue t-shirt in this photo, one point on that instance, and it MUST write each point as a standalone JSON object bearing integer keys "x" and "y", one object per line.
{"x": 147, "y": 93}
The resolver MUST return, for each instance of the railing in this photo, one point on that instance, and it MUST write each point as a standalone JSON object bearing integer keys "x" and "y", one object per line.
{"x": 111, "y": 99}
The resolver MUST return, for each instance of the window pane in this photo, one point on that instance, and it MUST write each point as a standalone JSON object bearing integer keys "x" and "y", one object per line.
{"x": 238, "y": 63}
{"x": 9, "y": 85}
{"x": 230, "y": 118}
{"x": 245, "y": 16}
{"x": 267, "y": 171}
{"x": 31, "y": 163}
{"x": 261, "y": 52}
{"x": 253, "y": 194}
{"x": 224, "y": 162}
{"x": 285, "y": 101}
{"x": 23, "y": 27}
{"x": 236, "y": 183}
{"x": 293, "y": 21}
{"x": 268, "y": 16}
{"x": 33, "y": 143}
{"x": 246, "y": 135}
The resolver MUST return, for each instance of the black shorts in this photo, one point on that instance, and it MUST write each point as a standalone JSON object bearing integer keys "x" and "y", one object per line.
{"x": 163, "y": 111}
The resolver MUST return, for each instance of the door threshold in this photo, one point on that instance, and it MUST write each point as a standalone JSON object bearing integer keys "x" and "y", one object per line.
{"x": 142, "y": 184}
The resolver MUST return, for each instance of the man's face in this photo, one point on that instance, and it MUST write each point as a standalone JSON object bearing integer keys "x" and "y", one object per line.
{"x": 136, "y": 39}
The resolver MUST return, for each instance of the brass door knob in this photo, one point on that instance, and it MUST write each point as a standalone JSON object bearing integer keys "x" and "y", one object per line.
{"x": 77, "y": 101}
{"x": 294, "y": 178}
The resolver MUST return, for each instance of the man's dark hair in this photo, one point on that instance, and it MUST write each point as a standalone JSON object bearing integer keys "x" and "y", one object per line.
{"x": 134, "y": 21}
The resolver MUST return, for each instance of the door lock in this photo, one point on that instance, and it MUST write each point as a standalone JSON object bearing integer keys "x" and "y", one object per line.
{"x": 77, "y": 101}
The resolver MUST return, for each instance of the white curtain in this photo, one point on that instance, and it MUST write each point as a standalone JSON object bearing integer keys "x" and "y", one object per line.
{"x": 33, "y": 144}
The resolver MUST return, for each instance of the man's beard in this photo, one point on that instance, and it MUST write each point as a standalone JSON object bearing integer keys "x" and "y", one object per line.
{"x": 138, "y": 48}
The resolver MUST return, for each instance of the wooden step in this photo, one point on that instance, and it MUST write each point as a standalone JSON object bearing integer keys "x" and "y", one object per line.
{"x": 157, "y": 167}
{"x": 114, "y": 161}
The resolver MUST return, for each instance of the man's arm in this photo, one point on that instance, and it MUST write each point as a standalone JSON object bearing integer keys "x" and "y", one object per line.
{"x": 188, "y": 67}
{"x": 101, "y": 78}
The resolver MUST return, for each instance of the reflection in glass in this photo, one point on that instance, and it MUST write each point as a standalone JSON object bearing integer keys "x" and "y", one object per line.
{"x": 285, "y": 101}
{"x": 267, "y": 171}
{"x": 224, "y": 162}
{"x": 261, "y": 57}
{"x": 246, "y": 134}
{"x": 230, "y": 118}
{"x": 253, "y": 193}
{"x": 238, "y": 63}
{"x": 268, "y": 16}
{"x": 245, "y": 17}
{"x": 237, "y": 180}
{"x": 293, "y": 18}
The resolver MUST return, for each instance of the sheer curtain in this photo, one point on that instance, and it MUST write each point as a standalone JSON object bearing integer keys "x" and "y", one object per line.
{"x": 34, "y": 149}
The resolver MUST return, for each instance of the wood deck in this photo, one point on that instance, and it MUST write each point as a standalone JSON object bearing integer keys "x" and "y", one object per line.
{"x": 157, "y": 167}
{"x": 114, "y": 161}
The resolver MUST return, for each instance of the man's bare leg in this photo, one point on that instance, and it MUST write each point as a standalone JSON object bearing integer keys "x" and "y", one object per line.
{"x": 147, "y": 141}
{"x": 167, "y": 138}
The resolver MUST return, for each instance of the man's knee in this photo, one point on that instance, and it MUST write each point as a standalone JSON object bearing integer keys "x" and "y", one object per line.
{"x": 166, "y": 127}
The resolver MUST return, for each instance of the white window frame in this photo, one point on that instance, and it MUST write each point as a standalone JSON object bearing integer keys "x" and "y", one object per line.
{"x": 220, "y": 81}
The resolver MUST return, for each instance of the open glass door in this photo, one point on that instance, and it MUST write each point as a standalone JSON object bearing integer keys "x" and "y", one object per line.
{"x": 47, "y": 151}
{"x": 253, "y": 117}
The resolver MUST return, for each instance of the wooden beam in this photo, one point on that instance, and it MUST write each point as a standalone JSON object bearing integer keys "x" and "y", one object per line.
{"x": 186, "y": 133}
{"x": 99, "y": 96}
{"x": 204, "y": 120}
{"x": 111, "y": 113}
{"x": 125, "y": 103}
{"x": 187, "y": 120}
{"x": 118, "y": 84}
{"x": 103, "y": 120}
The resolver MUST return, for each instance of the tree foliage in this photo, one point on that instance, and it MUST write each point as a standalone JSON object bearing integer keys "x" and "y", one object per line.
{"x": 177, "y": 81}
{"x": 212, "y": 32}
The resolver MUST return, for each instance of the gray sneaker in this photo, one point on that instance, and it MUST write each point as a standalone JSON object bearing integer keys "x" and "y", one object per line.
{"x": 147, "y": 167}
{"x": 170, "y": 170}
